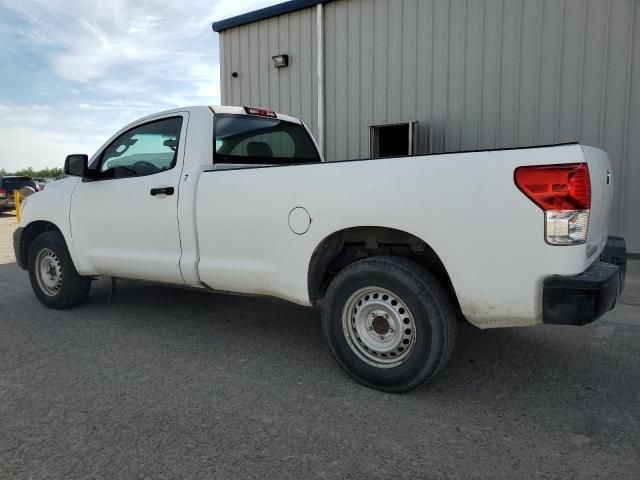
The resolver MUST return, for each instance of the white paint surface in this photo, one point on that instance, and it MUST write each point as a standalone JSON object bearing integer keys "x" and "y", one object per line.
{"x": 228, "y": 229}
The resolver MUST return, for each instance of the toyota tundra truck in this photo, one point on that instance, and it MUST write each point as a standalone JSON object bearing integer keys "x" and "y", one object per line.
{"x": 394, "y": 251}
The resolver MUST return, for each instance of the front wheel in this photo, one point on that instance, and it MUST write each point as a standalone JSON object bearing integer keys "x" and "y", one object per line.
{"x": 54, "y": 278}
{"x": 389, "y": 323}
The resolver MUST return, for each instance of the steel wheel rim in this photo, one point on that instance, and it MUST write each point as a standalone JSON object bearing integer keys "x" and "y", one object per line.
{"x": 379, "y": 327}
{"x": 48, "y": 272}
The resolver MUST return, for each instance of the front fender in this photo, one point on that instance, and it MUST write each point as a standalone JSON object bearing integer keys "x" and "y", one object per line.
{"x": 48, "y": 210}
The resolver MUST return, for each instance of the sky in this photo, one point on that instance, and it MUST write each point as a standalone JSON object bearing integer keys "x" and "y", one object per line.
{"x": 73, "y": 72}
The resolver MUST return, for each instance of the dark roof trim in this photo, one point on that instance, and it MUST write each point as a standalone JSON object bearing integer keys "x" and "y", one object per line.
{"x": 264, "y": 13}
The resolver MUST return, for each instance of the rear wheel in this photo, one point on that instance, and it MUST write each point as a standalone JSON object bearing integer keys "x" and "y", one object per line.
{"x": 389, "y": 323}
{"x": 54, "y": 278}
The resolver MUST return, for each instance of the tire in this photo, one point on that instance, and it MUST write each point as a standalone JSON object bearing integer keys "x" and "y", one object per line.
{"x": 54, "y": 278}
{"x": 402, "y": 332}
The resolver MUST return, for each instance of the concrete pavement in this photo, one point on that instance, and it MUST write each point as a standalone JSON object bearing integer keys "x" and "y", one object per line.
{"x": 168, "y": 383}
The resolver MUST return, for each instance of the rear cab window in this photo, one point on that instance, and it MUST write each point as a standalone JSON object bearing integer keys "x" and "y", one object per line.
{"x": 253, "y": 140}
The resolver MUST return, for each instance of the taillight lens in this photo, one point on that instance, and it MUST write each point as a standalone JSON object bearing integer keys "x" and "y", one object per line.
{"x": 556, "y": 187}
{"x": 564, "y": 193}
{"x": 3, "y": 193}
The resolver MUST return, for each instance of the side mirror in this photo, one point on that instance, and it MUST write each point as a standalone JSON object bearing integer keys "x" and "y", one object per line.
{"x": 76, "y": 165}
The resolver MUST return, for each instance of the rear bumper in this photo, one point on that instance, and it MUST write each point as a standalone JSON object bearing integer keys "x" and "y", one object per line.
{"x": 581, "y": 299}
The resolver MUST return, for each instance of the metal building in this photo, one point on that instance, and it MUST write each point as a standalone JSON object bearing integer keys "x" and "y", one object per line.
{"x": 383, "y": 77}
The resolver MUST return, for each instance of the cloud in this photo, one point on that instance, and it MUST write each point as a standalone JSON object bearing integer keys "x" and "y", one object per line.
{"x": 32, "y": 115}
{"x": 85, "y": 68}
{"x": 139, "y": 44}
{"x": 33, "y": 147}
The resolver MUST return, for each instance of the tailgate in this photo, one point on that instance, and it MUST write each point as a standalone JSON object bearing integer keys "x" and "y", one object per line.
{"x": 601, "y": 177}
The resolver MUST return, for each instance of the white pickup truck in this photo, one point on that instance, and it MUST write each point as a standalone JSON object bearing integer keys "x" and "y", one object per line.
{"x": 394, "y": 250}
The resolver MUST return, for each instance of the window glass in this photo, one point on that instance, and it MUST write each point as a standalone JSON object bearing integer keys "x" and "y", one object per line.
{"x": 16, "y": 183}
{"x": 144, "y": 150}
{"x": 259, "y": 140}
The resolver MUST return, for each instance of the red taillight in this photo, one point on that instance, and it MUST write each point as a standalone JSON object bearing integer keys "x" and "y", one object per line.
{"x": 262, "y": 112}
{"x": 556, "y": 187}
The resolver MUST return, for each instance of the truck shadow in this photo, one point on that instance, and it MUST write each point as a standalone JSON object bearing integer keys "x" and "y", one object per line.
{"x": 275, "y": 342}
{"x": 501, "y": 361}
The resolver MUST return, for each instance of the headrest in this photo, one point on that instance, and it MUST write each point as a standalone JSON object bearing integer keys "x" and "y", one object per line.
{"x": 259, "y": 149}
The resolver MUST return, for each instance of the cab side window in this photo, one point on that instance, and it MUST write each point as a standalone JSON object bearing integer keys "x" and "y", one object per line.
{"x": 144, "y": 150}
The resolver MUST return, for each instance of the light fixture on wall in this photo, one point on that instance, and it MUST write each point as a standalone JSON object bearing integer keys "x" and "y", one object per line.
{"x": 281, "y": 60}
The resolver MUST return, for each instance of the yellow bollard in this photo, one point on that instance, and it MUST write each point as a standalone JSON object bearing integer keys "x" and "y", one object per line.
{"x": 16, "y": 200}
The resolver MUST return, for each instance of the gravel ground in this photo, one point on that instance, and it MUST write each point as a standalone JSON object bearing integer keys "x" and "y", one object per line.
{"x": 169, "y": 383}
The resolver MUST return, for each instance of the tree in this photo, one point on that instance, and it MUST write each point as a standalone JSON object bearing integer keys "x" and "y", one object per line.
{"x": 30, "y": 172}
{"x": 27, "y": 172}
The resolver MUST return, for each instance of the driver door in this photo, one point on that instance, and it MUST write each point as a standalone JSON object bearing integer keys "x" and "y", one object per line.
{"x": 126, "y": 221}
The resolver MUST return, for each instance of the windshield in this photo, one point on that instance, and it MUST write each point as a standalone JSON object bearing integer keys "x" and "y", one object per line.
{"x": 257, "y": 140}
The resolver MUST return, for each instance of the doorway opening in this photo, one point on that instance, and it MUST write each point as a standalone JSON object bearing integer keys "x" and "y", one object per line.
{"x": 392, "y": 140}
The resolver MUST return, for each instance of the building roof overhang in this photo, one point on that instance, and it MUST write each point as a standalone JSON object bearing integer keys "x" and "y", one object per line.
{"x": 264, "y": 13}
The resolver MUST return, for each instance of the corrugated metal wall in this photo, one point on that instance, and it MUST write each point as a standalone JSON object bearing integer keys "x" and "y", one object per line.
{"x": 473, "y": 73}
{"x": 248, "y": 49}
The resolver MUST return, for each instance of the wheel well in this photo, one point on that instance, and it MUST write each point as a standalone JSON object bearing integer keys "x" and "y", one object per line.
{"x": 347, "y": 246}
{"x": 30, "y": 233}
